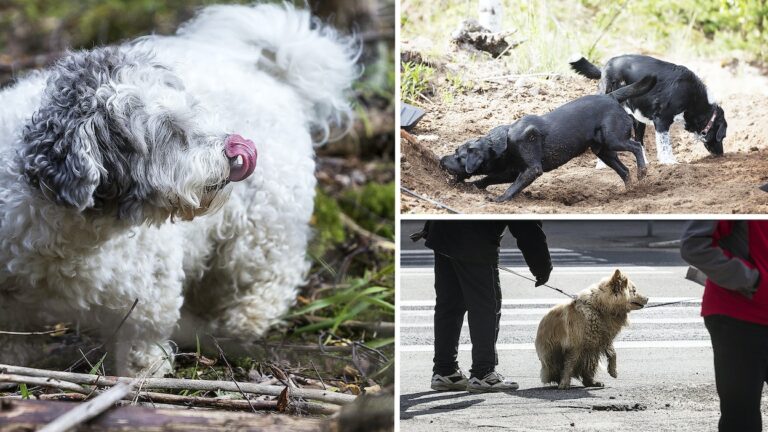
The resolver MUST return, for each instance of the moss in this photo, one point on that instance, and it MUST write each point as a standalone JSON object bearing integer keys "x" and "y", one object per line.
{"x": 327, "y": 225}
{"x": 373, "y": 207}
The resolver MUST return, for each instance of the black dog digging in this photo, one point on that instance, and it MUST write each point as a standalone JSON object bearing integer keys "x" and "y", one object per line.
{"x": 678, "y": 92}
{"x": 524, "y": 150}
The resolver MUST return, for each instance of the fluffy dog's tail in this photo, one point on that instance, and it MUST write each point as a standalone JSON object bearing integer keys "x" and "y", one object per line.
{"x": 634, "y": 90}
{"x": 583, "y": 67}
{"x": 291, "y": 45}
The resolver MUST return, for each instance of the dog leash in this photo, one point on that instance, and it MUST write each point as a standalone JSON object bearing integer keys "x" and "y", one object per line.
{"x": 430, "y": 200}
{"x": 671, "y": 303}
{"x": 571, "y": 296}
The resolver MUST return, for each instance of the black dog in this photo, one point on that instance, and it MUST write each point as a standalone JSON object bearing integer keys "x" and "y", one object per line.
{"x": 494, "y": 169}
{"x": 678, "y": 91}
{"x": 521, "y": 152}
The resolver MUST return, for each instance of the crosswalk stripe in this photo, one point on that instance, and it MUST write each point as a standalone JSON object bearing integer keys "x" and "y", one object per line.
{"x": 544, "y": 302}
{"x": 637, "y": 321}
{"x": 423, "y": 257}
{"x": 618, "y": 345}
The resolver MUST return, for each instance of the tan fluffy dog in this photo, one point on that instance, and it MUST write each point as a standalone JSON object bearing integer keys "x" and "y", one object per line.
{"x": 572, "y": 336}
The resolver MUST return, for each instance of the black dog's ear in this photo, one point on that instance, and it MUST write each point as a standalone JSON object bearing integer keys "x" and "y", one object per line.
{"x": 496, "y": 147}
{"x": 721, "y": 131}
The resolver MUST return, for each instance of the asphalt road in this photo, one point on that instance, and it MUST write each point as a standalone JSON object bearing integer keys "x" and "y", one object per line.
{"x": 665, "y": 381}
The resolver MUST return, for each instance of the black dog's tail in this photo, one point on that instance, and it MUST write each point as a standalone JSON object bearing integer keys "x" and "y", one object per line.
{"x": 634, "y": 90}
{"x": 583, "y": 67}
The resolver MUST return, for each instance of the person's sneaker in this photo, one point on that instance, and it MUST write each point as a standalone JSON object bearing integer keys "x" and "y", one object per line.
{"x": 454, "y": 381}
{"x": 493, "y": 382}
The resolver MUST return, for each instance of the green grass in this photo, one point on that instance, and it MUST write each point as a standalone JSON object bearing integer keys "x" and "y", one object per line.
{"x": 555, "y": 30}
{"x": 368, "y": 298}
{"x": 415, "y": 82}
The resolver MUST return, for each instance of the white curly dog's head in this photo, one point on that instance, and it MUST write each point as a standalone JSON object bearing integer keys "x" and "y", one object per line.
{"x": 118, "y": 132}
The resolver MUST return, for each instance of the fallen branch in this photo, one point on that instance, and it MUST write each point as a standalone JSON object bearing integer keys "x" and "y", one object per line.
{"x": 44, "y": 382}
{"x": 88, "y": 410}
{"x": 202, "y": 402}
{"x": 376, "y": 240}
{"x": 180, "y": 384}
{"x": 33, "y": 333}
{"x": 17, "y": 415}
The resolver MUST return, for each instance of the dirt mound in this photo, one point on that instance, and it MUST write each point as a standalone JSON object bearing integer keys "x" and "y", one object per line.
{"x": 699, "y": 184}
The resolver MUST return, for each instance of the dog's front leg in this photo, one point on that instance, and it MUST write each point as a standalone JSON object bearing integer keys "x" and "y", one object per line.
{"x": 493, "y": 179}
{"x": 523, "y": 180}
{"x": 569, "y": 364}
{"x": 611, "y": 354}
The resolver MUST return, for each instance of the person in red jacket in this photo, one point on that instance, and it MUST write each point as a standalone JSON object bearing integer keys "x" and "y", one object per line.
{"x": 734, "y": 256}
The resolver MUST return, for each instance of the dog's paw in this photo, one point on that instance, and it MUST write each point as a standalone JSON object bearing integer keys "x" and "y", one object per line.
{"x": 477, "y": 185}
{"x": 641, "y": 173}
{"x": 564, "y": 385}
{"x": 593, "y": 384}
{"x": 498, "y": 199}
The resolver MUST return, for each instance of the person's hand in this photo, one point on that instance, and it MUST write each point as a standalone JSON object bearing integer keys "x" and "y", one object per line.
{"x": 748, "y": 292}
{"x": 541, "y": 279}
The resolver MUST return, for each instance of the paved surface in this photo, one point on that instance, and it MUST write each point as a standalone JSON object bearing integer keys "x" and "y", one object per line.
{"x": 665, "y": 381}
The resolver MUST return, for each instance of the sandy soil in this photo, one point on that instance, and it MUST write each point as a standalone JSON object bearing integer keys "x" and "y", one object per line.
{"x": 700, "y": 183}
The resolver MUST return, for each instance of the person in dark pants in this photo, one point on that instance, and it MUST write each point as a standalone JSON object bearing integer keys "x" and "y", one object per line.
{"x": 467, "y": 281}
{"x": 734, "y": 256}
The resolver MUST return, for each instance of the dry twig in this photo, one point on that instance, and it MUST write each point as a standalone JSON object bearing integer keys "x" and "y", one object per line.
{"x": 88, "y": 410}
{"x": 179, "y": 384}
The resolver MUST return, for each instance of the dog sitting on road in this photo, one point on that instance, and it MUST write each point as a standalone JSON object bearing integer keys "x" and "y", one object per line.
{"x": 678, "y": 91}
{"x": 573, "y": 336}
{"x": 524, "y": 150}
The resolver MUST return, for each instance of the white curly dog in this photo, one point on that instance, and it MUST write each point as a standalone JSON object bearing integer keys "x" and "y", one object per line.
{"x": 131, "y": 172}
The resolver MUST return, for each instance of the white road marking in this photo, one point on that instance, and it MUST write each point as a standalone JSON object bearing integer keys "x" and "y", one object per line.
{"x": 567, "y": 271}
{"x": 617, "y": 345}
{"x": 536, "y": 322}
{"x": 541, "y": 311}
{"x": 542, "y": 301}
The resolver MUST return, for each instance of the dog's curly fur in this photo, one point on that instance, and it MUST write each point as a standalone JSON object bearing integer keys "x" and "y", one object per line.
{"x": 114, "y": 181}
{"x": 572, "y": 337}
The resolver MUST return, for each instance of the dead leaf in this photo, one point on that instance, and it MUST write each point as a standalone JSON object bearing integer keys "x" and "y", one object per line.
{"x": 283, "y": 401}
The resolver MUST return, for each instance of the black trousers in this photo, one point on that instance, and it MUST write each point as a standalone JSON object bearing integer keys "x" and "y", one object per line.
{"x": 473, "y": 288}
{"x": 741, "y": 368}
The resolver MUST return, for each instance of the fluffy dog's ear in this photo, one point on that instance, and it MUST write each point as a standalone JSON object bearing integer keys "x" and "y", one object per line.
{"x": 618, "y": 281}
{"x": 61, "y": 153}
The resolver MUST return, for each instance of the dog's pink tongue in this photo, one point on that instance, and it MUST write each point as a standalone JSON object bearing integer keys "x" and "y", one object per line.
{"x": 242, "y": 157}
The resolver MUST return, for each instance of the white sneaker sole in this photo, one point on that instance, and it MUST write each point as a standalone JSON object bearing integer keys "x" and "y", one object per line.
{"x": 491, "y": 389}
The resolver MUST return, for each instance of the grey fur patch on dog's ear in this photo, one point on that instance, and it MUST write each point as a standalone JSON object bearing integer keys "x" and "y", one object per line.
{"x": 61, "y": 155}
{"x": 74, "y": 147}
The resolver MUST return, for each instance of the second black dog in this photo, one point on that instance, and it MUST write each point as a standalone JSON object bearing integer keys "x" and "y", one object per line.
{"x": 522, "y": 151}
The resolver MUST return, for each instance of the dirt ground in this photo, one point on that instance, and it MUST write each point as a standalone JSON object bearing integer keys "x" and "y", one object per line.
{"x": 700, "y": 183}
